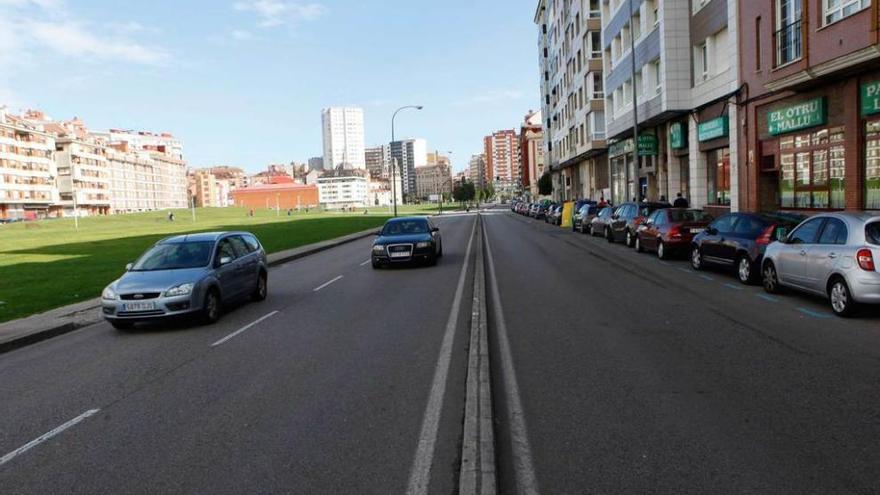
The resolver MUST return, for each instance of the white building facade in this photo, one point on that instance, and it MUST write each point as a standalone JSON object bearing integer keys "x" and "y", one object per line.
{"x": 350, "y": 191}
{"x": 343, "y": 132}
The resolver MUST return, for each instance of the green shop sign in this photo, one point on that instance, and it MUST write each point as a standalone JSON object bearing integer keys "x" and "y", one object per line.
{"x": 796, "y": 117}
{"x": 677, "y": 137}
{"x": 647, "y": 146}
{"x": 871, "y": 98}
{"x": 713, "y": 129}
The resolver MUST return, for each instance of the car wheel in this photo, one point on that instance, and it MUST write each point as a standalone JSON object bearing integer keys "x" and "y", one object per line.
{"x": 440, "y": 252}
{"x": 211, "y": 307}
{"x": 589, "y": 229}
{"x": 744, "y": 271}
{"x": 661, "y": 250}
{"x": 122, "y": 325}
{"x": 696, "y": 259}
{"x": 262, "y": 288}
{"x": 771, "y": 279}
{"x": 638, "y": 245}
{"x": 842, "y": 302}
{"x": 376, "y": 264}
{"x": 609, "y": 236}
{"x": 629, "y": 238}
{"x": 432, "y": 260}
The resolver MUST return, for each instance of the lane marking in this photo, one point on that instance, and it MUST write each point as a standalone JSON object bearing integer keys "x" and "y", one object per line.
{"x": 316, "y": 289}
{"x": 46, "y": 436}
{"x": 420, "y": 475}
{"x": 365, "y": 262}
{"x": 768, "y": 298}
{"x": 734, "y": 287}
{"x": 526, "y": 481}
{"x": 664, "y": 263}
{"x": 244, "y": 329}
{"x": 707, "y": 278}
{"x": 685, "y": 270}
{"x": 814, "y": 314}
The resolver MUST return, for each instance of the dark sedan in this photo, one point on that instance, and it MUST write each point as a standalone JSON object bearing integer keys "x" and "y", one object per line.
{"x": 738, "y": 240}
{"x": 627, "y": 218}
{"x": 583, "y": 217}
{"x": 407, "y": 239}
{"x": 669, "y": 231}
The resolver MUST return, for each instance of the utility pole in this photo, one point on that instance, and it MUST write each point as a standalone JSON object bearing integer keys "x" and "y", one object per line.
{"x": 75, "y": 207}
{"x": 277, "y": 205}
{"x": 192, "y": 203}
{"x": 394, "y": 160}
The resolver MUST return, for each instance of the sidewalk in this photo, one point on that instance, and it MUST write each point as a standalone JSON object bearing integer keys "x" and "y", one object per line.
{"x": 26, "y": 331}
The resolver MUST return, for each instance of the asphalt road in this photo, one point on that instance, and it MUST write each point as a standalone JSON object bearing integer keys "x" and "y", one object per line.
{"x": 612, "y": 372}
{"x": 327, "y": 395}
{"x": 640, "y": 376}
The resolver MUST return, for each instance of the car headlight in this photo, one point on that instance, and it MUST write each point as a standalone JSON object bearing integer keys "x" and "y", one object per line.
{"x": 423, "y": 245}
{"x": 180, "y": 290}
{"x": 109, "y": 294}
{"x": 378, "y": 248}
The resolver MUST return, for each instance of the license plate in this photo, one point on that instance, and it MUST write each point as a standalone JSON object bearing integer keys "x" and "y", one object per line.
{"x": 401, "y": 254}
{"x": 697, "y": 231}
{"x": 140, "y": 306}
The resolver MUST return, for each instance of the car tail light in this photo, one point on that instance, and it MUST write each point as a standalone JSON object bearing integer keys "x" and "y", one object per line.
{"x": 766, "y": 236}
{"x": 675, "y": 232}
{"x": 638, "y": 221}
{"x": 866, "y": 260}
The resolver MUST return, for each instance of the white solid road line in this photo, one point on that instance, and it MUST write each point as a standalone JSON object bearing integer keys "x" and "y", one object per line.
{"x": 420, "y": 476}
{"x": 526, "y": 482}
{"x": 365, "y": 262}
{"x": 244, "y": 329}
{"x": 316, "y": 289}
{"x": 46, "y": 436}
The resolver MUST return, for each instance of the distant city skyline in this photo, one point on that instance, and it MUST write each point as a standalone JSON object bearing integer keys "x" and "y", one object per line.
{"x": 244, "y": 86}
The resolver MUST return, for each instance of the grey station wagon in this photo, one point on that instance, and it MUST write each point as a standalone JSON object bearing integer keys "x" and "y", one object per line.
{"x": 188, "y": 275}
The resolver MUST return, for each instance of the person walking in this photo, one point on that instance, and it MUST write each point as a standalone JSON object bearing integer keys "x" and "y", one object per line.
{"x": 602, "y": 203}
{"x": 680, "y": 201}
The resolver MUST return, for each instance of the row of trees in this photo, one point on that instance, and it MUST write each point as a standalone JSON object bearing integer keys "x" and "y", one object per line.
{"x": 467, "y": 192}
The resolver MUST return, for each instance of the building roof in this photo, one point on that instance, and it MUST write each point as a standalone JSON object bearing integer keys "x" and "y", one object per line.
{"x": 273, "y": 188}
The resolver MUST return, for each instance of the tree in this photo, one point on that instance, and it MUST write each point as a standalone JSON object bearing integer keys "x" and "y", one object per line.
{"x": 489, "y": 192}
{"x": 545, "y": 185}
{"x": 464, "y": 192}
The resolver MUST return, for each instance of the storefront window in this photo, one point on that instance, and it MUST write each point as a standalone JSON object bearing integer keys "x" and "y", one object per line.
{"x": 872, "y": 165}
{"x": 718, "y": 177}
{"x": 812, "y": 170}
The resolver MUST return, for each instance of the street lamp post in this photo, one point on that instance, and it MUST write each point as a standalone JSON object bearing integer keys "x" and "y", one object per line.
{"x": 394, "y": 160}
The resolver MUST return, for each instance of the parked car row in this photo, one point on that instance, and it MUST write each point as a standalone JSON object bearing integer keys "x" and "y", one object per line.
{"x": 831, "y": 255}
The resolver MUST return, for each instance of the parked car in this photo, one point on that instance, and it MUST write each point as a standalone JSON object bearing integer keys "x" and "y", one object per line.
{"x": 738, "y": 240}
{"x": 626, "y": 220}
{"x": 406, "y": 239}
{"x": 576, "y": 209}
{"x": 196, "y": 274}
{"x": 554, "y": 215}
{"x": 669, "y": 231}
{"x": 831, "y": 255}
{"x": 583, "y": 218}
{"x": 541, "y": 212}
{"x": 601, "y": 221}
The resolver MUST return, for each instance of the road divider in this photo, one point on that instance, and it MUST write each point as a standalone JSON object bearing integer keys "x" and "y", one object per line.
{"x": 243, "y": 329}
{"x": 420, "y": 473}
{"x": 46, "y": 436}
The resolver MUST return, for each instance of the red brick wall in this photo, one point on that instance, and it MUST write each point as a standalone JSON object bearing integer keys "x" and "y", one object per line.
{"x": 286, "y": 198}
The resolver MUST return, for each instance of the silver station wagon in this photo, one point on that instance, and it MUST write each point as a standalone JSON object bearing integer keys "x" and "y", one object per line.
{"x": 188, "y": 275}
{"x": 831, "y": 255}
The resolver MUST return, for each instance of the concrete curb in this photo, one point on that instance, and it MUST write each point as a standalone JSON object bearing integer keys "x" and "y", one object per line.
{"x": 478, "y": 472}
{"x": 23, "y": 332}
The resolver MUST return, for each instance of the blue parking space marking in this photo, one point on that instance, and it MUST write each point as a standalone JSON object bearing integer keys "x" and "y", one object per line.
{"x": 814, "y": 314}
{"x": 734, "y": 287}
{"x": 768, "y": 298}
{"x": 707, "y": 278}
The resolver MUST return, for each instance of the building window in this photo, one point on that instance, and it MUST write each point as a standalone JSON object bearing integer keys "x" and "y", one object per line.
{"x": 758, "y": 46}
{"x": 657, "y": 80}
{"x": 812, "y": 170}
{"x": 718, "y": 177}
{"x": 702, "y": 72}
{"x": 872, "y": 165}
{"x": 836, "y": 10}
{"x": 789, "y": 36}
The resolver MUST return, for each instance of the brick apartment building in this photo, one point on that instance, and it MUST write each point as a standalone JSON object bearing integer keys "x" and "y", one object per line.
{"x": 501, "y": 149}
{"x": 810, "y": 126}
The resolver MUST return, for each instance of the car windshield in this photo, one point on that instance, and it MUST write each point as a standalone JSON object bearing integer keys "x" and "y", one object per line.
{"x": 405, "y": 227}
{"x": 689, "y": 216}
{"x": 872, "y": 233}
{"x": 175, "y": 256}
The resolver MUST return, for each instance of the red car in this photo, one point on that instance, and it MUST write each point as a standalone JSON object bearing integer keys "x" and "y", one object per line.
{"x": 670, "y": 230}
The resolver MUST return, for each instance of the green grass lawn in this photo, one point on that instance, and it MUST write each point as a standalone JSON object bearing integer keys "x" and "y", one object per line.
{"x": 49, "y": 263}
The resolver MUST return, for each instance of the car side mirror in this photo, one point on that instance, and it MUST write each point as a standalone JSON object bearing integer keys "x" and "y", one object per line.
{"x": 129, "y": 266}
{"x": 712, "y": 231}
{"x": 225, "y": 260}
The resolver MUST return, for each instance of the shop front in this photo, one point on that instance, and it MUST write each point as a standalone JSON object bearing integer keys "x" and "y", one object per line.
{"x": 627, "y": 181}
{"x": 870, "y": 110}
{"x": 713, "y": 137}
{"x": 679, "y": 162}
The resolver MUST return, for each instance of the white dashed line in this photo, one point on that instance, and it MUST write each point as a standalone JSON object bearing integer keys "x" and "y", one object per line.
{"x": 46, "y": 436}
{"x": 366, "y": 262}
{"x": 316, "y": 289}
{"x": 244, "y": 329}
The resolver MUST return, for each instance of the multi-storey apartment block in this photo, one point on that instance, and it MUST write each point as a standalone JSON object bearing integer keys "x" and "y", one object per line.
{"x": 343, "y": 131}
{"x": 84, "y": 176}
{"x": 433, "y": 180}
{"x": 531, "y": 151}
{"x": 501, "y": 149}
{"x": 27, "y": 169}
{"x": 573, "y": 92}
{"x": 378, "y": 160}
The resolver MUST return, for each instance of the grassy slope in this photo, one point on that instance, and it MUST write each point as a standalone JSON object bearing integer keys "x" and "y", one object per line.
{"x": 48, "y": 264}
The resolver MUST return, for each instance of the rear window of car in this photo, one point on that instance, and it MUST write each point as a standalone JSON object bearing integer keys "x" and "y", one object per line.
{"x": 872, "y": 232}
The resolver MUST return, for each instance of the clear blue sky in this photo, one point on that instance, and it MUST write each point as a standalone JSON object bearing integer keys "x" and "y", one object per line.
{"x": 243, "y": 81}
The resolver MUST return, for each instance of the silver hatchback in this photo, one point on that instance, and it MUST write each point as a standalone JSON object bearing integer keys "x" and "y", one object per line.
{"x": 831, "y": 255}
{"x": 188, "y": 275}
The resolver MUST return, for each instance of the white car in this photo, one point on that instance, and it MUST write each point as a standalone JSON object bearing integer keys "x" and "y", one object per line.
{"x": 832, "y": 255}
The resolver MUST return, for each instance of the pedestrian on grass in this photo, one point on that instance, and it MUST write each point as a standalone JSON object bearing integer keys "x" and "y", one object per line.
{"x": 170, "y": 216}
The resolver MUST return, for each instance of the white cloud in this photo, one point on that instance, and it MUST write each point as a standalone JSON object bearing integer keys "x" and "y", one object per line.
{"x": 75, "y": 40}
{"x": 272, "y": 13}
